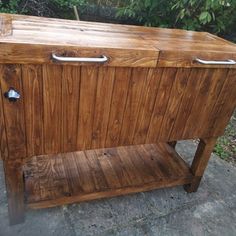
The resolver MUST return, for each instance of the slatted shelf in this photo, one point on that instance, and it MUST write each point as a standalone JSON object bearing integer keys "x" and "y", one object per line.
{"x": 86, "y": 175}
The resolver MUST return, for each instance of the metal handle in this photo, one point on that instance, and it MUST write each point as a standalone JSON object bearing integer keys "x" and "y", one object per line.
{"x": 227, "y": 62}
{"x": 101, "y": 59}
{"x": 12, "y": 95}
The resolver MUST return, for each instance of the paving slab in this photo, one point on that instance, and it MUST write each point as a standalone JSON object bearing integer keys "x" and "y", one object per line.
{"x": 210, "y": 211}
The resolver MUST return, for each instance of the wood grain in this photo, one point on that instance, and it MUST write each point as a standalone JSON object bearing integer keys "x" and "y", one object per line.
{"x": 70, "y": 106}
{"x": 32, "y": 80}
{"x": 13, "y": 111}
{"x": 118, "y": 166}
{"x": 86, "y": 107}
{"x": 52, "y": 100}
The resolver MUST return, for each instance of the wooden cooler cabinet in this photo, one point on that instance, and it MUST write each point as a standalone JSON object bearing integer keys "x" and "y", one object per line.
{"x": 91, "y": 110}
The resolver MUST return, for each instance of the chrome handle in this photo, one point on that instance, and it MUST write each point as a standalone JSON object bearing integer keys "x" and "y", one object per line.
{"x": 205, "y": 62}
{"x": 12, "y": 95}
{"x": 101, "y": 59}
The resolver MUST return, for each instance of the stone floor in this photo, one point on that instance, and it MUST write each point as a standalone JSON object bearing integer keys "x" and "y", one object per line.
{"x": 210, "y": 211}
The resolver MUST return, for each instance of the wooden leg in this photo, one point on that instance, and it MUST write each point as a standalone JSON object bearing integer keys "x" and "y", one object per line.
{"x": 200, "y": 161}
{"x": 172, "y": 144}
{"x": 15, "y": 191}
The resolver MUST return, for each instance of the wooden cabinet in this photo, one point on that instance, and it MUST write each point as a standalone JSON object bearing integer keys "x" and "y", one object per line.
{"x": 91, "y": 110}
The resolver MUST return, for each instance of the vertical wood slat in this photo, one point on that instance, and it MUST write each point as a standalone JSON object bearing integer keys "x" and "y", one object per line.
{"x": 52, "y": 83}
{"x": 163, "y": 95}
{"x": 5, "y": 25}
{"x": 33, "y": 96}
{"x": 176, "y": 94}
{"x": 217, "y": 82}
{"x": 205, "y": 75}
{"x": 88, "y": 87}
{"x": 70, "y": 107}
{"x": 105, "y": 83}
{"x": 224, "y": 106}
{"x": 3, "y": 136}
{"x": 13, "y": 111}
{"x": 119, "y": 96}
{"x": 135, "y": 93}
{"x": 150, "y": 90}
{"x": 185, "y": 108}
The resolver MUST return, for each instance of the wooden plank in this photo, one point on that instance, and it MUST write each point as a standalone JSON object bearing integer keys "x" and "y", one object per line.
{"x": 201, "y": 158}
{"x": 135, "y": 92}
{"x": 224, "y": 106}
{"x": 88, "y": 87}
{"x": 99, "y": 178}
{"x": 124, "y": 170}
{"x": 72, "y": 174}
{"x": 191, "y": 125}
{"x": 112, "y": 156}
{"x": 186, "y": 105}
{"x": 207, "y": 112}
{"x": 3, "y": 137}
{"x": 70, "y": 107}
{"x": 119, "y": 97}
{"x": 15, "y": 191}
{"x": 105, "y": 83}
{"x": 13, "y": 111}
{"x": 33, "y": 104}
{"x": 162, "y": 98}
{"x": 84, "y": 172}
{"x": 52, "y": 97}
{"x": 150, "y": 91}
{"x": 177, "y": 91}
{"x": 109, "y": 171}
{"x": 5, "y": 25}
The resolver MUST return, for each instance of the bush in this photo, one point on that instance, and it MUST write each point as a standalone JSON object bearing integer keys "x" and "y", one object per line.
{"x": 216, "y": 16}
{"x": 53, "y": 8}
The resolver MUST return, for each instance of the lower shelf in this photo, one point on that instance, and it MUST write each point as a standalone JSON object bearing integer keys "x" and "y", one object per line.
{"x": 86, "y": 175}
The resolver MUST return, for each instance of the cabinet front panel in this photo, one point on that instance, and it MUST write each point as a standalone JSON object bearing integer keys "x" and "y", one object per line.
{"x": 68, "y": 108}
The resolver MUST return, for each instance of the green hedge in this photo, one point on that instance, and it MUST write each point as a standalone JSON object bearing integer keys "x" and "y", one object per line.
{"x": 216, "y": 16}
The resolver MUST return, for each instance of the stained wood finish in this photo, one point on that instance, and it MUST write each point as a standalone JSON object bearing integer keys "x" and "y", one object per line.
{"x": 134, "y": 46}
{"x": 15, "y": 191}
{"x": 80, "y": 176}
{"x": 69, "y": 108}
{"x": 150, "y": 91}
{"x": 201, "y": 158}
{"x": 13, "y": 111}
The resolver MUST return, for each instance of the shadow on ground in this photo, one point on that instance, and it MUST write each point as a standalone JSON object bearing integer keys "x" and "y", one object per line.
{"x": 210, "y": 211}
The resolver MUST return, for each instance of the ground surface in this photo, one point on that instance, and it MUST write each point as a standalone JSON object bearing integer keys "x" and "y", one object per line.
{"x": 210, "y": 211}
{"x": 226, "y": 145}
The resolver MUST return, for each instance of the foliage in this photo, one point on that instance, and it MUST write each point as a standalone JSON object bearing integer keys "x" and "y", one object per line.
{"x": 217, "y": 16}
{"x": 59, "y": 8}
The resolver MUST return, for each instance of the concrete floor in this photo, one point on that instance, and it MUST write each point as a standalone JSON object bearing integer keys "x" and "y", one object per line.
{"x": 210, "y": 211}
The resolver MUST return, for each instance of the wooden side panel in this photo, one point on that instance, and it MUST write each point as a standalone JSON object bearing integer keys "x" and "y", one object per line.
{"x": 224, "y": 106}
{"x": 150, "y": 90}
{"x": 13, "y": 111}
{"x": 186, "y": 105}
{"x": 163, "y": 95}
{"x": 176, "y": 94}
{"x": 105, "y": 83}
{"x": 3, "y": 137}
{"x": 70, "y": 107}
{"x": 134, "y": 97}
{"x": 52, "y": 82}
{"x": 33, "y": 103}
{"x": 119, "y": 97}
{"x": 86, "y": 107}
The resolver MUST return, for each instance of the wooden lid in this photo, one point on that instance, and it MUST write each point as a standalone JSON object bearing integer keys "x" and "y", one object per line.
{"x": 28, "y": 39}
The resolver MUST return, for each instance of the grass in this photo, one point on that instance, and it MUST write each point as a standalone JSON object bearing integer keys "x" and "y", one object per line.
{"x": 226, "y": 145}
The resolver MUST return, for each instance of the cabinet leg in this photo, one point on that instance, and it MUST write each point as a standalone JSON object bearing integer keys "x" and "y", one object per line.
{"x": 15, "y": 191}
{"x": 172, "y": 143}
{"x": 200, "y": 161}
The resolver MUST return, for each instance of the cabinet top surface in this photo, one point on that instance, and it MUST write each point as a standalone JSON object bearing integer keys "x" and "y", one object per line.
{"x": 49, "y": 31}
